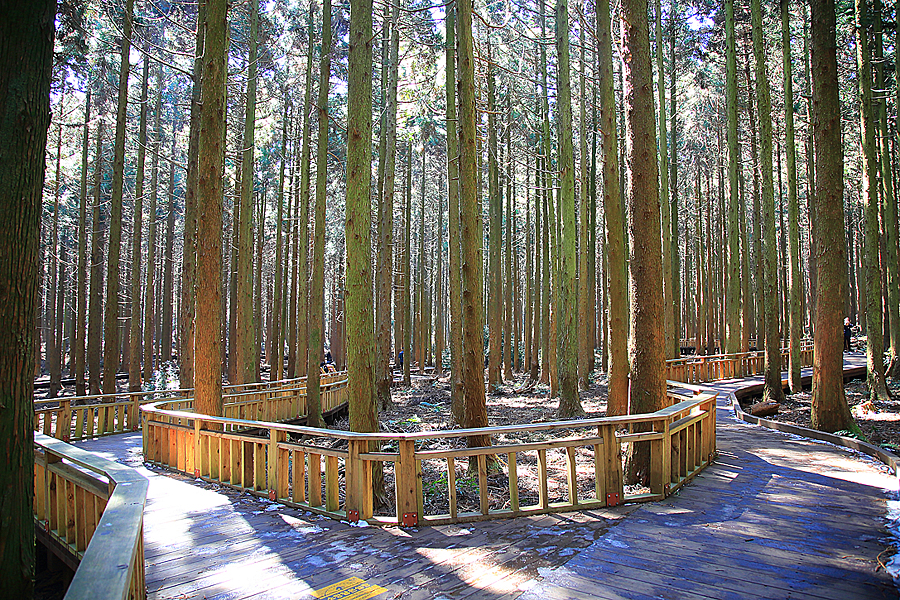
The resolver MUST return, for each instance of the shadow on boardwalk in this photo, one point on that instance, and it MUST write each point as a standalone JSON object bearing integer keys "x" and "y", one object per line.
{"x": 776, "y": 516}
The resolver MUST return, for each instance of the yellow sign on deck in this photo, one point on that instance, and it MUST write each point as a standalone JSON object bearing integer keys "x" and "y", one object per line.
{"x": 353, "y": 588}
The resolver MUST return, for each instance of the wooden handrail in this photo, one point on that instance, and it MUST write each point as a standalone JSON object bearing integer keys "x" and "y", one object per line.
{"x": 72, "y": 487}
{"x": 714, "y": 367}
{"x": 80, "y": 417}
{"x": 232, "y": 452}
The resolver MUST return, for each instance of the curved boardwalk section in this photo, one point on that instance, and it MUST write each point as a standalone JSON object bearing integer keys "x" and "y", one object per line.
{"x": 775, "y": 516}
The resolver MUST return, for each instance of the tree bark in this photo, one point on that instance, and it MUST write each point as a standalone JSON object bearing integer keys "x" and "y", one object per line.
{"x": 111, "y": 315}
{"x": 26, "y": 54}
{"x": 874, "y": 340}
{"x": 186, "y": 328}
{"x": 150, "y": 289}
{"x": 615, "y": 221}
{"x": 95, "y": 302}
{"x": 359, "y": 313}
{"x": 317, "y": 283}
{"x": 648, "y": 382}
{"x": 733, "y": 292}
{"x": 81, "y": 293}
{"x": 567, "y": 287}
{"x": 208, "y": 341}
{"x": 829, "y": 406}
{"x": 796, "y": 318}
{"x": 472, "y": 231}
{"x": 495, "y": 239}
{"x": 135, "y": 339}
{"x": 246, "y": 353}
{"x": 773, "y": 390}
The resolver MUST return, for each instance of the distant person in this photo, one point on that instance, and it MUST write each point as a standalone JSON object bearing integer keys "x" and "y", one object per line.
{"x": 398, "y": 364}
{"x": 847, "y": 332}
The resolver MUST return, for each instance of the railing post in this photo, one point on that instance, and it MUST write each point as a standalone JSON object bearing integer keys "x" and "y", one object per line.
{"x": 272, "y": 467}
{"x": 407, "y": 503}
{"x": 199, "y": 456}
{"x": 660, "y": 458}
{"x": 612, "y": 456}
{"x": 135, "y": 413}
{"x": 64, "y": 420}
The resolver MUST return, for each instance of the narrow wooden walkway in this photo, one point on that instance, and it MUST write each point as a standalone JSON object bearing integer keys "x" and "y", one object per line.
{"x": 775, "y": 517}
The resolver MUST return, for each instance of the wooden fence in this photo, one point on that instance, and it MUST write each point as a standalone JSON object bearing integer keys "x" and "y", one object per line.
{"x": 77, "y": 493}
{"x": 72, "y": 418}
{"x": 714, "y": 367}
{"x": 332, "y": 472}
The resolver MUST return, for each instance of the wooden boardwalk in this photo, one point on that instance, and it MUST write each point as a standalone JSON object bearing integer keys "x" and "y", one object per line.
{"x": 776, "y": 516}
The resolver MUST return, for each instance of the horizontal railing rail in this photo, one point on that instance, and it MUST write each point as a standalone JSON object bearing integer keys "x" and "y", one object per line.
{"x": 73, "y": 418}
{"x": 715, "y": 367}
{"x": 336, "y": 473}
{"x": 77, "y": 494}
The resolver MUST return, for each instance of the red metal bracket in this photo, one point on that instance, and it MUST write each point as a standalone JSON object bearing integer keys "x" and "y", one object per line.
{"x": 612, "y": 499}
{"x": 196, "y": 472}
{"x": 65, "y": 437}
{"x": 272, "y": 495}
{"x": 353, "y": 516}
{"x": 410, "y": 519}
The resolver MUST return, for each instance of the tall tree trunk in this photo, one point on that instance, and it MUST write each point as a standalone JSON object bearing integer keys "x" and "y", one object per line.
{"x": 186, "y": 328}
{"x": 672, "y": 349}
{"x": 457, "y": 400}
{"x": 733, "y": 291}
{"x": 472, "y": 295}
{"x": 648, "y": 380}
{"x": 537, "y": 337}
{"x": 303, "y": 348}
{"x": 439, "y": 287}
{"x": 889, "y": 207}
{"x": 586, "y": 292}
{"x": 26, "y": 55}
{"x": 246, "y": 355}
{"x": 168, "y": 264}
{"x": 495, "y": 239}
{"x": 359, "y": 313}
{"x": 150, "y": 296}
{"x": 796, "y": 318}
{"x": 135, "y": 339}
{"x": 508, "y": 344}
{"x": 567, "y": 286}
{"x": 317, "y": 283}
{"x": 829, "y": 408}
{"x": 529, "y": 274}
{"x": 874, "y": 341}
{"x": 673, "y": 186}
{"x": 407, "y": 273}
{"x": 773, "y": 390}
{"x": 208, "y": 341}
{"x": 615, "y": 220}
{"x": 81, "y": 295}
{"x": 277, "y": 360}
{"x": 385, "y": 267}
{"x": 551, "y": 253}
{"x": 54, "y": 343}
{"x": 111, "y": 315}
{"x": 95, "y": 302}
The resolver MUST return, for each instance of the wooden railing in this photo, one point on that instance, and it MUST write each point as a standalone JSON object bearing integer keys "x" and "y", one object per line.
{"x": 714, "y": 367}
{"x": 76, "y": 494}
{"x": 285, "y": 462}
{"x": 73, "y": 418}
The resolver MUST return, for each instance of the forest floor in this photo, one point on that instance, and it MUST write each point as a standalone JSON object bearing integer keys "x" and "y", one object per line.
{"x": 879, "y": 421}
